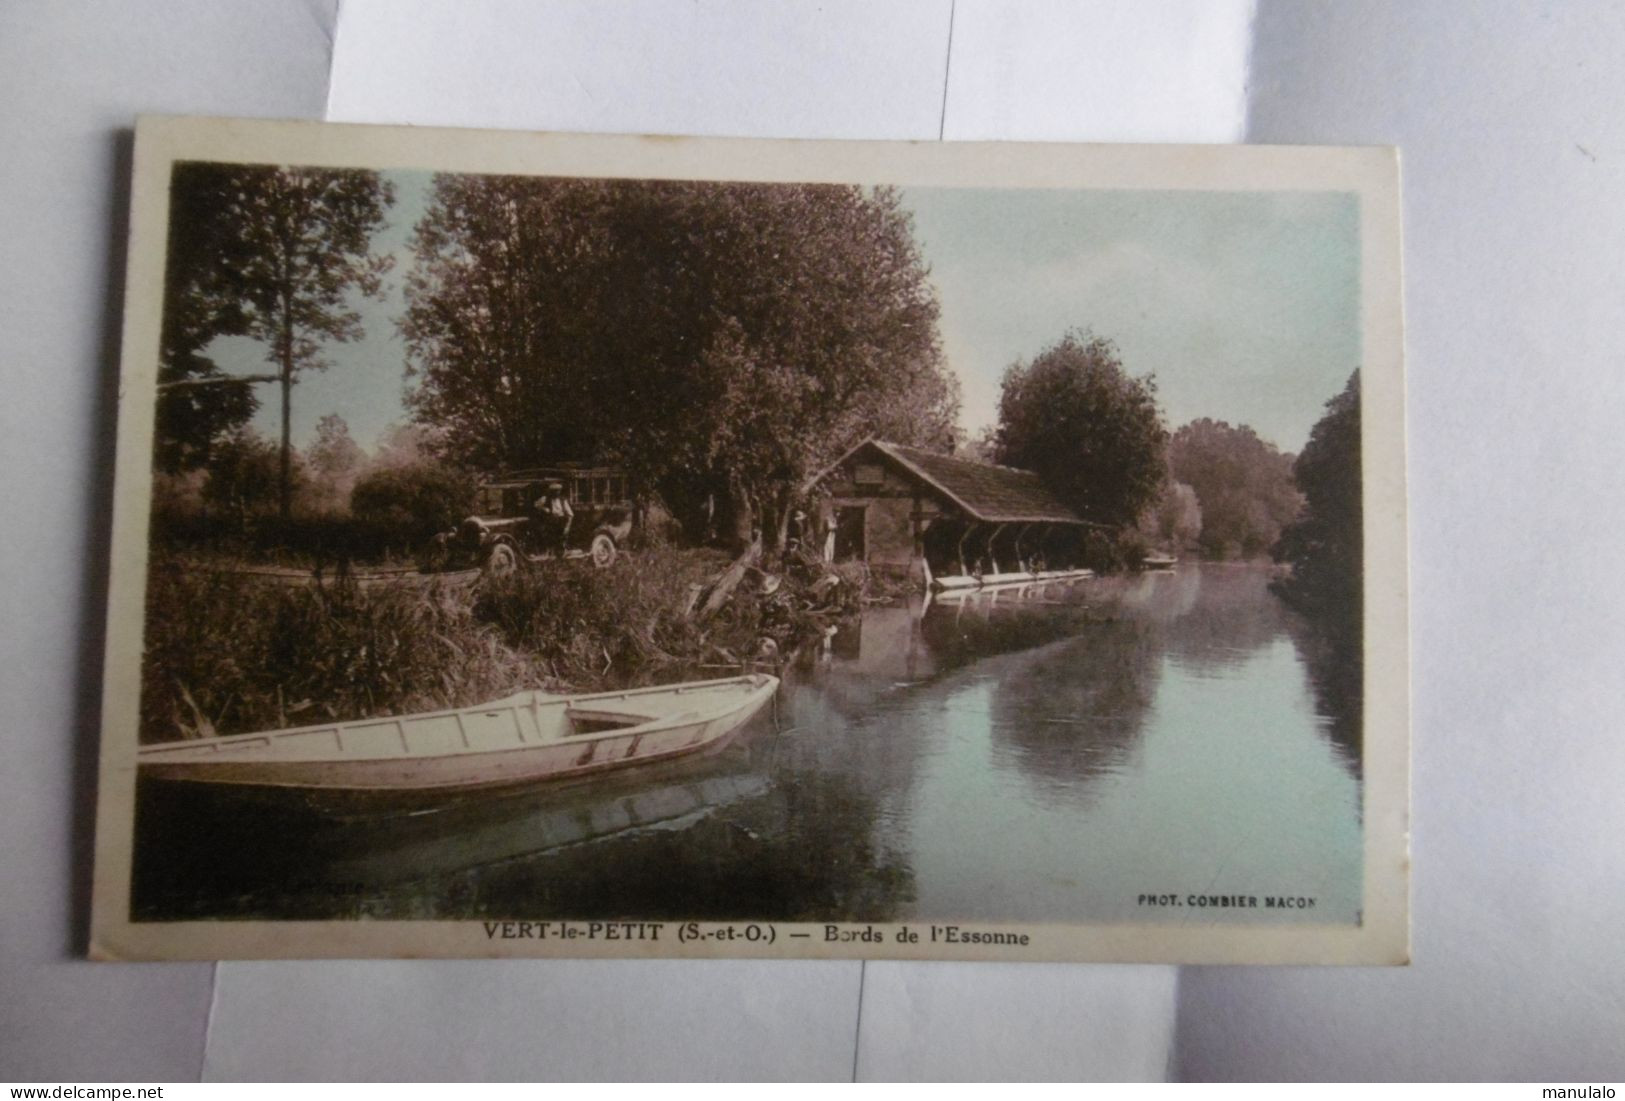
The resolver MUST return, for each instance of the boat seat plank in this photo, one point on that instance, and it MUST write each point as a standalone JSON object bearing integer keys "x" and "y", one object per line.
{"x": 593, "y": 720}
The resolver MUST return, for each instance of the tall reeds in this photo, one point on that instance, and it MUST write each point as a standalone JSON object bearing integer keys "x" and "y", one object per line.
{"x": 225, "y": 654}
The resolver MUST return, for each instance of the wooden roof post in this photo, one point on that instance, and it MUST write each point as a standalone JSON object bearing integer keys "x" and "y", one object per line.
{"x": 992, "y": 555}
{"x": 1021, "y": 533}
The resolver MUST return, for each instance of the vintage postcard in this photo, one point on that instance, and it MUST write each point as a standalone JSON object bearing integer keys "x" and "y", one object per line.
{"x": 535, "y": 545}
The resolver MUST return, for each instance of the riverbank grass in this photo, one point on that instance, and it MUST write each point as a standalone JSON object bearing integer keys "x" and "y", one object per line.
{"x": 226, "y": 656}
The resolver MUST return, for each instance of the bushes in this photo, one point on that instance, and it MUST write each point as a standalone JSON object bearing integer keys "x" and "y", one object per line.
{"x": 226, "y": 657}
{"x": 417, "y": 500}
{"x": 598, "y": 627}
{"x": 243, "y": 477}
{"x": 1124, "y": 549}
{"x": 314, "y": 540}
{"x": 395, "y": 511}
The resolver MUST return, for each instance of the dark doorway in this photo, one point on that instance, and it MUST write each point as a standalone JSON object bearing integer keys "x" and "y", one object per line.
{"x": 849, "y": 541}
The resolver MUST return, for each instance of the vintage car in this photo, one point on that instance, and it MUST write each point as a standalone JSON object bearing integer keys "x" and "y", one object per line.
{"x": 508, "y": 529}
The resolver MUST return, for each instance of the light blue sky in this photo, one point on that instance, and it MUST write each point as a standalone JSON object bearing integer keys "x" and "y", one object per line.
{"x": 1245, "y": 306}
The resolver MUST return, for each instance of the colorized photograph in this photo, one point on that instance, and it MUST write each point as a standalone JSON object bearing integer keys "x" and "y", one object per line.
{"x": 539, "y": 544}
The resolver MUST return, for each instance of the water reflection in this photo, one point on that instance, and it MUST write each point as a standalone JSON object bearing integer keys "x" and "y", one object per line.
{"x": 1071, "y": 714}
{"x": 974, "y": 626}
{"x": 767, "y": 856}
{"x": 1332, "y": 655}
{"x": 1041, "y": 756}
{"x": 1230, "y": 615}
{"x": 732, "y": 834}
{"x": 272, "y": 854}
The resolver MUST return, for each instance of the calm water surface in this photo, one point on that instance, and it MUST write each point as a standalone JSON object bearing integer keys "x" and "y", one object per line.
{"x": 1044, "y": 756}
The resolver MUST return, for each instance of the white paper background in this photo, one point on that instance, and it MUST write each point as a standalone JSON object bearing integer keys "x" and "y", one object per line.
{"x": 73, "y": 76}
{"x": 1514, "y": 151}
{"x": 1514, "y": 179}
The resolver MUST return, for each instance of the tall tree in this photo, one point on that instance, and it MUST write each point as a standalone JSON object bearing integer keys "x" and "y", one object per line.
{"x": 334, "y": 452}
{"x": 407, "y": 445}
{"x": 983, "y": 447}
{"x": 302, "y": 237}
{"x": 726, "y": 336}
{"x": 1174, "y": 520}
{"x": 1242, "y": 482}
{"x": 334, "y": 461}
{"x": 1326, "y": 545}
{"x": 197, "y": 404}
{"x": 1087, "y": 427}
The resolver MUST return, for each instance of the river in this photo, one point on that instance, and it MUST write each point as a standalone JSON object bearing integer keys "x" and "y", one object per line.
{"x": 1052, "y": 755}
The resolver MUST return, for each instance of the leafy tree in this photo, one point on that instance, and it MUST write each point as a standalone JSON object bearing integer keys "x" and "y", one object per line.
{"x": 334, "y": 460}
{"x": 1242, "y": 482}
{"x": 1088, "y": 428}
{"x": 334, "y": 452}
{"x": 715, "y": 339}
{"x": 1174, "y": 520}
{"x": 297, "y": 241}
{"x": 983, "y": 447}
{"x": 197, "y": 404}
{"x": 1325, "y": 546}
{"x": 408, "y": 445}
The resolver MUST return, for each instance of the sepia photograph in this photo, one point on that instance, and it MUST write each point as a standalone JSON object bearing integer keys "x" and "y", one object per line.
{"x": 566, "y": 545}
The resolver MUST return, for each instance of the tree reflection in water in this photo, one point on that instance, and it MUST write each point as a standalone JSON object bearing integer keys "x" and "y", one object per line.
{"x": 1331, "y": 651}
{"x": 1072, "y": 714}
{"x": 1234, "y": 615}
{"x": 971, "y": 628}
{"x": 1230, "y": 621}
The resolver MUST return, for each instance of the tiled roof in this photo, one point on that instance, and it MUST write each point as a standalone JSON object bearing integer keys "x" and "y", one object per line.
{"x": 992, "y": 494}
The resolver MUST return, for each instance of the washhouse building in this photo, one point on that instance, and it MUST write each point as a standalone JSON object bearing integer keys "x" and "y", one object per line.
{"x": 943, "y": 519}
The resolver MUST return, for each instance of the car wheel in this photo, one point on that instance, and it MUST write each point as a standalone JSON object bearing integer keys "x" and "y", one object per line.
{"x": 502, "y": 561}
{"x": 603, "y": 550}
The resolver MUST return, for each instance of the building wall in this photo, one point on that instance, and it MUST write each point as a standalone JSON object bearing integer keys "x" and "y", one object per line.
{"x": 889, "y": 531}
{"x": 891, "y": 499}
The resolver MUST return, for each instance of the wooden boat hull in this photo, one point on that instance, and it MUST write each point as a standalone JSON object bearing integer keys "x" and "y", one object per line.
{"x": 521, "y": 739}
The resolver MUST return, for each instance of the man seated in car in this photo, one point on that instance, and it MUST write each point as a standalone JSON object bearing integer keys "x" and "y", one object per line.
{"x": 553, "y": 516}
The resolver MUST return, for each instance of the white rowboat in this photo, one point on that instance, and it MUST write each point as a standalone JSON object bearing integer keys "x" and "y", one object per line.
{"x": 523, "y": 737}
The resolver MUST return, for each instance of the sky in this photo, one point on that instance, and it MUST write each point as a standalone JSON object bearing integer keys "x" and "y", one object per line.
{"x": 1243, "y": 306}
